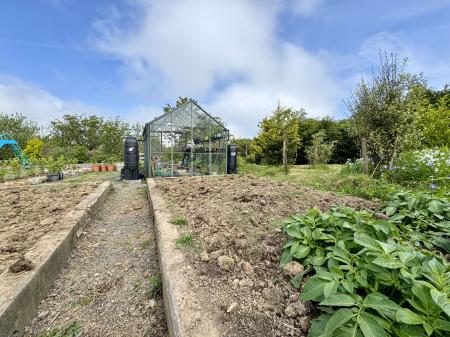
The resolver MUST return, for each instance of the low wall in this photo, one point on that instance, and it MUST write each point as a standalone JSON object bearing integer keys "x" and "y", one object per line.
{"x": 21, "y": 293}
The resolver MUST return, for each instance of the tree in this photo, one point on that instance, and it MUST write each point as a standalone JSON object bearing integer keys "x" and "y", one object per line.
{"x": 77, "y": 130}
{"x": 19, "y": 127}
{"x": 380, "y": 110}
{"x": 319, "y": 152}
{"x": 113, "y": 132}
{"x": 180, "y": 101}
{"x": 346, "y": 146}
{"x": 434, "y": 118}
{"x": 278, "y": 139}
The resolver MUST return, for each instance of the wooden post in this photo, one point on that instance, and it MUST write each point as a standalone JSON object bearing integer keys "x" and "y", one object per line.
{"x": 285, "y": 165}
{"x": 365, "y": 156}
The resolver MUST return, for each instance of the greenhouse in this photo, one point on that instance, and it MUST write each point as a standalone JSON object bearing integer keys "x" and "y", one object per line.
{"x": 185, "y": 141}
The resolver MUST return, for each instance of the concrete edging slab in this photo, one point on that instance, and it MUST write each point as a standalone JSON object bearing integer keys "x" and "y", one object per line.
{"x": 184, "y": 315}
{"x": 20, "y": 301}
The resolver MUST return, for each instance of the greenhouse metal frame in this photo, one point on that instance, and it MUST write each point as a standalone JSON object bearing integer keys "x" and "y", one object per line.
{"x": 185, "y": 141}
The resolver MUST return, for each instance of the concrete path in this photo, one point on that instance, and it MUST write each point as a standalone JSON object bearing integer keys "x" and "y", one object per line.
{"x": 110, "y": 286}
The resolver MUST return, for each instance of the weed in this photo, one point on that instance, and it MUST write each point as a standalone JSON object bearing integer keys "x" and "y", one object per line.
{"x": 145, "y": 244}
{"x": 85, "y": 300}
{"x": 179, "y": 221}
{"x": 185, "y": 241}
{"x": 72, "y": 330}
{"x": 155, "y": 286}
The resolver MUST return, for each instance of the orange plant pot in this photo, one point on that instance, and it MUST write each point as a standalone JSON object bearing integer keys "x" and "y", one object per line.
{"x": 110, "y": 168}
{"x": 95, "y": 168}
{"x": 103, "y": 168}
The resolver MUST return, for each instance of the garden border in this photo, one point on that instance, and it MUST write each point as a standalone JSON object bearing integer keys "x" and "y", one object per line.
{"x": 183, "y": 316}
{"x": 20, "y": 301}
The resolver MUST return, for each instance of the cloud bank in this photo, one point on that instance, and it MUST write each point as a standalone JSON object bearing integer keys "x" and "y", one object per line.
{"x": 225, "y": 53}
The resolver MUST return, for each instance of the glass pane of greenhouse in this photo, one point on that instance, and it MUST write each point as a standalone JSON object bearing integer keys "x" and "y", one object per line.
{"x": 185, "y": 141}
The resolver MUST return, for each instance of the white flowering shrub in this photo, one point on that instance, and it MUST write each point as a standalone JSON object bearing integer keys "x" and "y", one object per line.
{"x": 429, "y": 165}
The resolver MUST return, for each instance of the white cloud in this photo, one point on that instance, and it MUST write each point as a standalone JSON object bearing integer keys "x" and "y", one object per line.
{"x": 17, "y": 95}
{"x": 421, "y": 59}
{"x": 225, "y": 53}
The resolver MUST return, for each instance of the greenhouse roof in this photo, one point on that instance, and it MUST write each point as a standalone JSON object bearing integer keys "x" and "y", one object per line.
{"x": 180, "y": 118}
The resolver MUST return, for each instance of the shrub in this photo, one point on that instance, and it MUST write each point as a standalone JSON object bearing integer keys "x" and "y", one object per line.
{"x": 319, "y": 152}
{"x": 33, "y": 149}
{"x": 3, "y": 171}
{"x": 412, "y": 167}
{"x": 54, "y": 166}
{"x": 368, "y": 278}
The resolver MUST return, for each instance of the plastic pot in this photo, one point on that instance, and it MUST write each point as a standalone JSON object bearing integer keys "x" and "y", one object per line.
{"x": 53, "y": 177}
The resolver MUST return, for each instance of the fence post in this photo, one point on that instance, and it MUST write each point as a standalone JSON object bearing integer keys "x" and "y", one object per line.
{"x": 365, "y": 157}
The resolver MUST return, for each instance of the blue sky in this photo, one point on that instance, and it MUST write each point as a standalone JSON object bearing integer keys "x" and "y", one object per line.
{"x": 236, "y": 57}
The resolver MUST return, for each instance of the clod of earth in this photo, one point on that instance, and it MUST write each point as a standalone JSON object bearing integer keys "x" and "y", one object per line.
{"x": 22, "y": 264}
{"x": 225, "y": 262}
{"x": 292, "y": 269}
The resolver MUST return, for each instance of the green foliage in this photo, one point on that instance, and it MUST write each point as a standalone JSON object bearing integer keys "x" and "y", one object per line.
{"x": 72, "y": 330}
{"x": 19, "y": 127}
{"x": 384, "y": 111}
{"x": 267, "y": 147}
{"x": 179, "y": 221}
{"x": 113, "y": 133}
{"x": 155, "y": 286}
{"x": 77, "y": 130}
{"x": 185, "y": 241}
{"x": 53, "y": 165}
{"x": 319, "y": 152}
{"x": 33, "y": 149}
{"x": 352, "y": 168}
{"x": 434, "y": 121}
{"x": 16, "y": 167}
{"x": 423, "y": 219}
{"x": 3, "y": 170}
{"x": 369, "y": 279}
{"x": 412, "y": 167}
{"x": 85, "y": 138}
{"x": 337, "y": 132}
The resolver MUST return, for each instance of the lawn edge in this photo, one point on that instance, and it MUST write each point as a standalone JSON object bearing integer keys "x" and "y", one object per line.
{"x": 26, "y": 289}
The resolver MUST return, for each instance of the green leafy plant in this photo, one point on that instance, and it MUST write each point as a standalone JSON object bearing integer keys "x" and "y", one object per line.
{"x": 72, "y": 330}
{"x": 16, "y": 167}
{"x": 367, "y": 278}
{"x": 155, "y": 286}
{"x": 3, "y": 171}
{"x": 179, "y": 221}
{"x": 54, "y": 166}
{"x": 422, "y": 218}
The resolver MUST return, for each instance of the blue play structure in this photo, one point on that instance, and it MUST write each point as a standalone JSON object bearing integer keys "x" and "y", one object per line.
{"x": 7, "y": 140}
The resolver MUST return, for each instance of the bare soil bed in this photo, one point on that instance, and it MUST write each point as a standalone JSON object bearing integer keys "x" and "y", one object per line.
{"x": 29, "y": 212}
{"x": 236, "y": 225}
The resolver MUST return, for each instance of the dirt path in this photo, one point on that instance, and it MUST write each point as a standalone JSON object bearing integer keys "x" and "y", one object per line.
{"x": 107, "y": 286}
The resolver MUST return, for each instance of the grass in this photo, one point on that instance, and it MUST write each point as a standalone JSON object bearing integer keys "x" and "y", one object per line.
{"x": 155, "y": 286}
{"x": 92, "y": 176}
{"x": 188, "y": 242}
{"x": 330, "y": 178}
{"x": 71, "y": 330}
{"x": 185, "y": 241}
{"x": 179, "y": 221}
